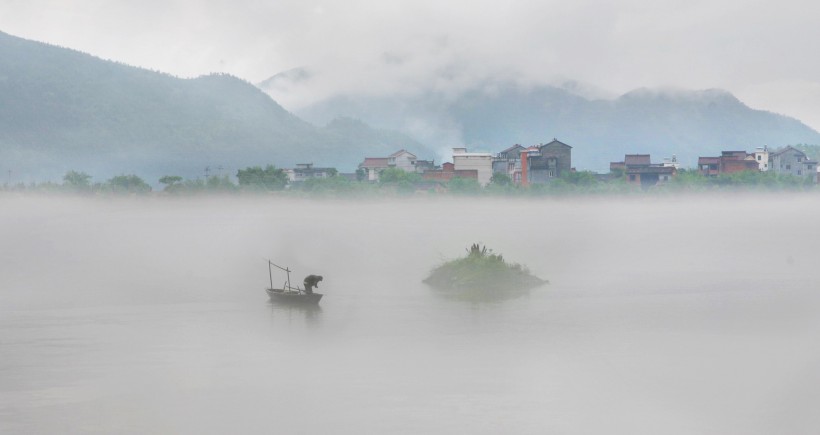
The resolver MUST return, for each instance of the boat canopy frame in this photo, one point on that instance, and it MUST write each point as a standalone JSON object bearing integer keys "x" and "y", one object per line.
{"x": 286, "y": 286}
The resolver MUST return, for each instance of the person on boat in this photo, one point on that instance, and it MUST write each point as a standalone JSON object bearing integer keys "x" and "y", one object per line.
{"x": 310, "y": 282}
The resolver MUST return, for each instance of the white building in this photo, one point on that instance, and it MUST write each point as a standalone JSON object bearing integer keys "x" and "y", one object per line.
{"x": 481, "y": 162}
{"x": 304, "y": 171}
{"x": 761, "y": 156}
{"x": 404, "y": 160}
{"x": 671, "y": 162}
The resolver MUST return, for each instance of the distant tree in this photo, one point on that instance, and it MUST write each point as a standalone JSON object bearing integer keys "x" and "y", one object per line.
{"x": 402, "y": 181}
{"x": 128, "y": 184}
{"x": 220, "y": 184}
{"x": 269, "y": 178}
{"x": 500, "y": 179}
{"x": 361, "y": 174}
{"x": 396, "y": 175}
{"x": 334, "y": 186}
{"x": 77, "y": 180}
{"x": 172, "y": 182}
{"x": 502, "y": 184}
{"x": 464, "y": 186}
{"x": 692, "y": 180}
{"x": 580, "y": 178}
{"x": 689, "y": 179}
{"x": 170, "y": 179}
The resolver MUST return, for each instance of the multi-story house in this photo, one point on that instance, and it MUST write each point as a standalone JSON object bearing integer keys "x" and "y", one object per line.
{"x": 792, "y": 161}
{"x": 481, "y": 162}
{"x": 729, "y": 162}
{"x": 508, "y": 162}
{"x": 306, "y": 171}
{"x": 402, "y": 159}
{"x": 447, "y": 172}
{"x": 671, "y": 161}
{"x": 544, "y": 162}
{"x": 373, "y": 166}
{"x": 639, "y": 170}
{"x": 761, "y": 156}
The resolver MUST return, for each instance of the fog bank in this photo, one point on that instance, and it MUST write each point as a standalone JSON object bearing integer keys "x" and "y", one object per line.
{"x": 663, "y": 315}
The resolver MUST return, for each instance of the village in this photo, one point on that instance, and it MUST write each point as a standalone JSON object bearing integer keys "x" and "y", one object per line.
{"x": 543, "y": 163}
{"x": 538, "y": 169}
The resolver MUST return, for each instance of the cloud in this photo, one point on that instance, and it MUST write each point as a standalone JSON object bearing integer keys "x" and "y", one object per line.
{"x": 399, "y": 46}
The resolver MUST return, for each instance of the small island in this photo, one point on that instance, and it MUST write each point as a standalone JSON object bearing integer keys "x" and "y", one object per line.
{"x": 483, "y": 273}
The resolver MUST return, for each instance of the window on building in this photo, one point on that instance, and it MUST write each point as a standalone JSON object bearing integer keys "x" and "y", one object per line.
{"x": 632, "y": 178}
{"x": 759, "y": 158}
{"x": 788, "y": 167}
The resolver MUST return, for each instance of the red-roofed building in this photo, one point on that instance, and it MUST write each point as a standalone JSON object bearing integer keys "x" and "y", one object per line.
{"x": 445, "y": 176}
{"x": 401, "y": 159}
{"x": 709, "y": 166}
{"x": 637, "y": 160}
{"x": 448, "y": 172}
{"x": 639, "y": 170}
{"x": 729, "y": 162}
{"x": 372, "y": 166}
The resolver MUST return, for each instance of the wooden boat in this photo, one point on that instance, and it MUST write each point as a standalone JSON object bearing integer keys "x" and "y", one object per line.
{"x": 288, "y": 294}
{"x": 293, "y": 296}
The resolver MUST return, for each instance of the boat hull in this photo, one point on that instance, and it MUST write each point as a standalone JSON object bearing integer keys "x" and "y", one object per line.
{"x": 293, "y": 297}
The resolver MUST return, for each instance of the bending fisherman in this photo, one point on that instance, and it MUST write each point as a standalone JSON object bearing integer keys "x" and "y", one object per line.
{"x": 310, "y": 282}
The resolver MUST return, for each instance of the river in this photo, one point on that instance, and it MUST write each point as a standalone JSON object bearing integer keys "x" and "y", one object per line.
{"x": 673, "y": 315}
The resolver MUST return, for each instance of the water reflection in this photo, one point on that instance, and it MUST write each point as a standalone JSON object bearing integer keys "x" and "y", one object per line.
{"x": 483, "y": 295}
{"x": 310, "y": 313}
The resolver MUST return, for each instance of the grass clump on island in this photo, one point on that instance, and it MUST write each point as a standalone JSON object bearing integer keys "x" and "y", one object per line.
{"x": 482, "y": 271}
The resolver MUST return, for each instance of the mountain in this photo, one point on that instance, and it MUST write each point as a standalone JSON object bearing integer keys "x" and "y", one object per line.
{"x": 495, "y": 114}
{"x": 64, "y": 110}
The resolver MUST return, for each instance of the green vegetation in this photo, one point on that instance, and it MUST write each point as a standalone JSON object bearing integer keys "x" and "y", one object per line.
{"x": 482, "y": 274}
{"x": 692, "y": 180}
{"x": 335, "y": 186}
{"x": 399, "y": 181}
{"x": 77, "y": 181}
{"x": 171, "y": 182}
{"x": 126, "y": 184}
{"x": 269, "y": 178}
{"x": 500, "y": 179}
{"x": 463, "y": 186}
{"x": 395, "y": 182}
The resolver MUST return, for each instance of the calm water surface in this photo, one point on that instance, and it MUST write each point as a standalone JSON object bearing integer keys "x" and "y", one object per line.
{"x": 681, "y": 316}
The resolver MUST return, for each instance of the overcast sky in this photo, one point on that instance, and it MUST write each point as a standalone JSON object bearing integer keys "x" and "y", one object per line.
{"x": 764, "y": 51}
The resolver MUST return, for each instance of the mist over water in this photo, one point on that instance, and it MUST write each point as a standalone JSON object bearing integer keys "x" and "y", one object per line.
{"x": 663, "y": 315}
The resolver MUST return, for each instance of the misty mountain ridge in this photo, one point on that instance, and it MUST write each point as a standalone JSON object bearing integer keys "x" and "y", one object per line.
{"x": 62, "y": 110}
{"x": 494, "y": 114}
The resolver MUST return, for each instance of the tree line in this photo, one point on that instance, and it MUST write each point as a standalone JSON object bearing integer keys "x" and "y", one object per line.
{"x": 397, "y": 182}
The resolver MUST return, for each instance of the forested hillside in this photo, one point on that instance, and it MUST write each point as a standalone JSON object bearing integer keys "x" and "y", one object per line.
{"x": 61, "y": 109}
